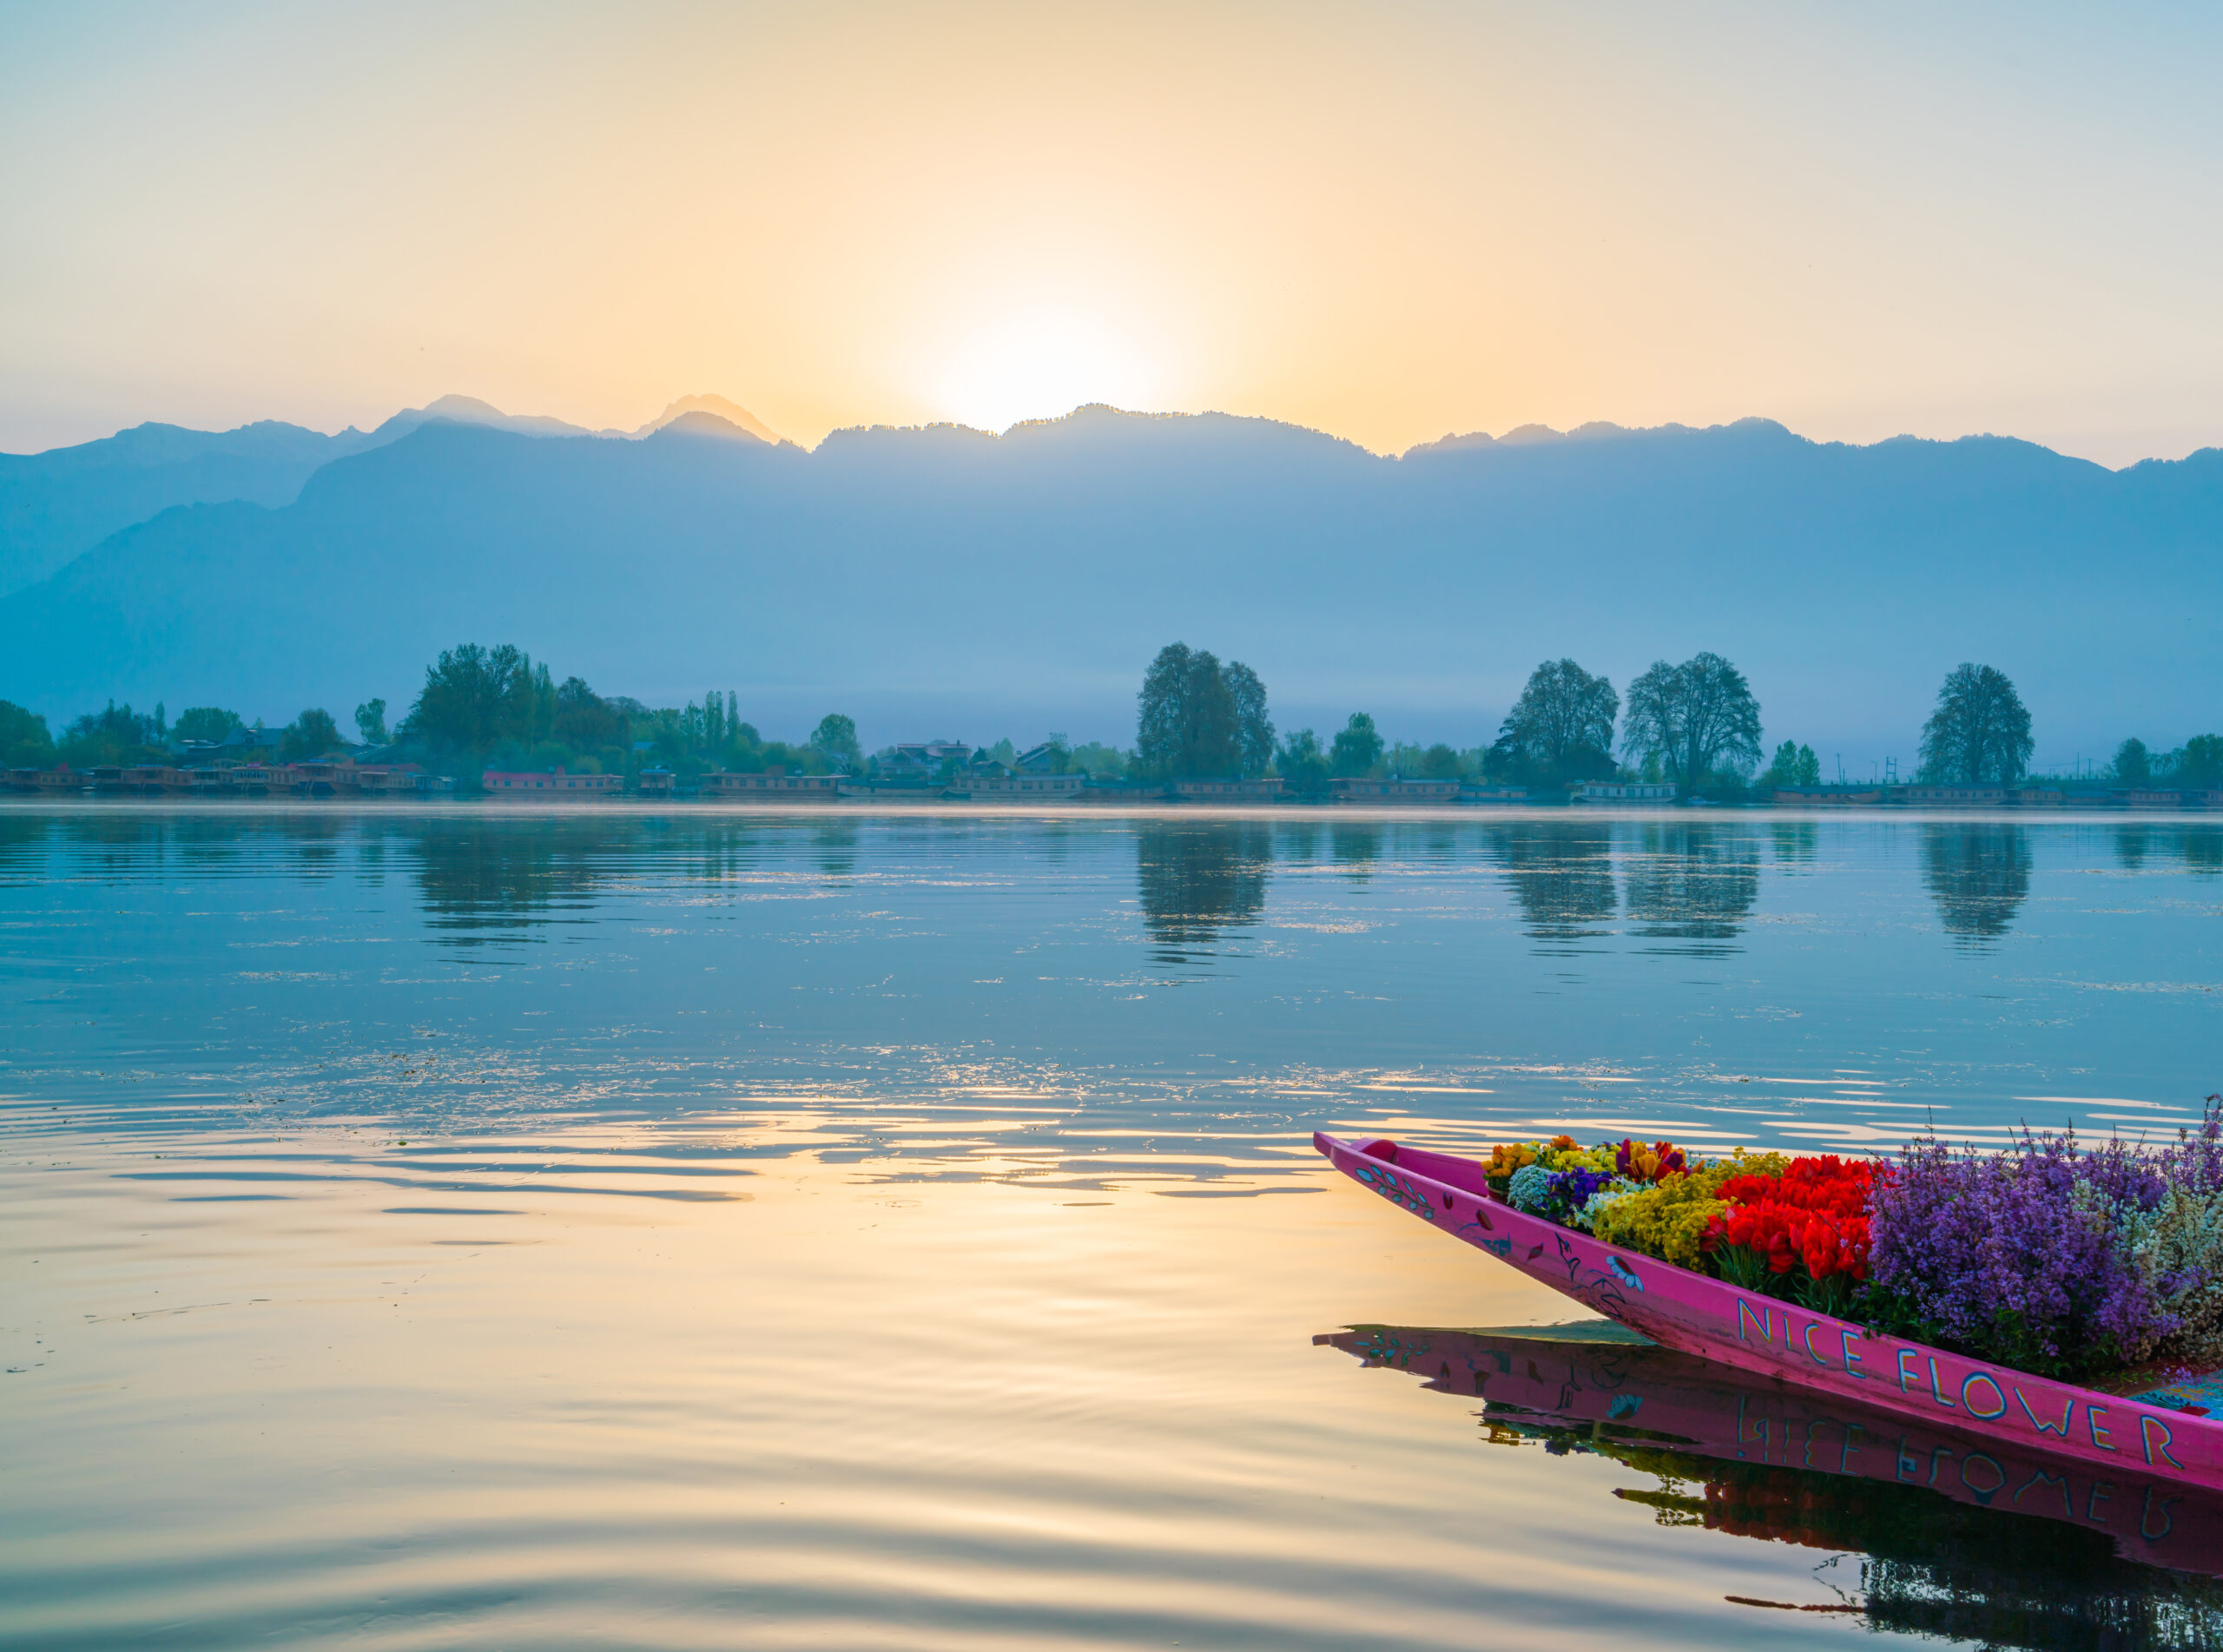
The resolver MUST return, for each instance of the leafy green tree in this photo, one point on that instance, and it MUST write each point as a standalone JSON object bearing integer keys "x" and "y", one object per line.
{"x": 1695, "y": 718}
{"x": 584, "y": 721}
{"x": 1439, "y": 762}
{"x": 1195, "y": 718}
{"x": 2199, "y": 766}
{"x": 25, "y": 741}
{"x": 209, "y": 723}
{"x": 1980, "y": 730}
{"x": 370, "y": 722}
{"x": 1254, "y": 729}
{"x": 835, "y": 740}
{"x": 1560, "y": 731}
{"x": 1357, "y": 747}
{"x": 1783, "y": 768}
{"x": 117, "y": 734}
{"x": 311, "y": 734}
{"x": 2133, "y": 764}
{"x": 1301, "y": 765}
{"x": 474, "y": 696}
{"x": 1810, "y": 766}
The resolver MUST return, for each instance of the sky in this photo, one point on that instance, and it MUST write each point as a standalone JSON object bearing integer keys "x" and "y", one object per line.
{"x": 1388, "y": 221}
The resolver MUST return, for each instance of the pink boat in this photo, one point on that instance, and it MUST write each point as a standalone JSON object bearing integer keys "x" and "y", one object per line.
{"x": 1716, "y": 1320}
{"x": 1614, "y": 1391}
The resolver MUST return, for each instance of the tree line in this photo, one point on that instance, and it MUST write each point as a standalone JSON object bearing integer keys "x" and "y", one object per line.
{"x": 1695, "y": 725}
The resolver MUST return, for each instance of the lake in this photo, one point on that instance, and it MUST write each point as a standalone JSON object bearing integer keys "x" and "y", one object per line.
{"x": 686, "y": 1228}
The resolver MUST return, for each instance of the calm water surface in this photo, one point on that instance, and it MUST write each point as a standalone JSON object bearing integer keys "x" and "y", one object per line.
{"x": 510, "y": 1229}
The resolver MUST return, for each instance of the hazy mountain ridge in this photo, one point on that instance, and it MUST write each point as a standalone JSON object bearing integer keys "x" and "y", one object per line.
{"x": 58, "y": 504}
{"x": 945, "y": 579}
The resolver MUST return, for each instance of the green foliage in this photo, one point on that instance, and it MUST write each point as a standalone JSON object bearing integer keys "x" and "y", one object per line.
{"x": 474, "y": 696}
{"x": 835, "y": 741}
{"x": 1793, "y": 765}
{"x": 2133, "y": 764}
{"x": 1559, "y": 731}
{"x": 1357, "y": 748}
{"x": 117, "y": 735}
{"x": 370, "y": 722}
{"x": 1105, "y": 762}
{"x": 25, "y": 740}
{"x": 1695, "y": 719}
{"x": 1980, "y": 730}
{"x": 1198, "y": 719}
{"x": 311, "y": 734}
{"x": 2198, "y": 763}
{"x": 209, "y": 723}
{"x": 1301, "y": 765}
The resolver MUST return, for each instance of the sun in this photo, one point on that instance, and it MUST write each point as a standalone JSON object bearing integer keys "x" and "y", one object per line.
{"x": 1040, "y": 362}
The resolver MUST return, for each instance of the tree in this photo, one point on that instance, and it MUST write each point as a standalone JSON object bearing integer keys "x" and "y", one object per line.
{"x": 1439, "y": 762}
{"x": 209, "y": 723}
{"x": 370, "y": 722}
{"x": 1301, "y": 765}
{"x": 474, "y": 696}
{"x": 311, "y": 734}
{"x": 1694, "y": 718}
{"x": 1979, "y": 732}
{"x": 25, "y": 741}
{"x": 1357, "y": 747}
{"x": 835, "y": 740}
{"x": 118, "y": 734}
{"x": 584, "y": 721}
{"x": 1254, "y": 729}
{"x": 1793, "y": 765}
{"x": 2199, "y": 763}
{"x": 1197, "y": 718}
{"x": 2133, "y": 764}
{"x": 1560, "y": 730}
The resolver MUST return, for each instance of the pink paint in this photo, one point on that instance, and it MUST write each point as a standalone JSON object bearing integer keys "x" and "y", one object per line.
{"x": 1717, "y": 1321}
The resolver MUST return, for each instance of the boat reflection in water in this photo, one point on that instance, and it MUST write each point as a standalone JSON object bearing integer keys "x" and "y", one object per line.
{"x": 1959, "y": 1539}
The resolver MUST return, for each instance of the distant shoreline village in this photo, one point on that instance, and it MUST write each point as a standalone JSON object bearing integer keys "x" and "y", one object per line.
{"x": 491, "y": 723}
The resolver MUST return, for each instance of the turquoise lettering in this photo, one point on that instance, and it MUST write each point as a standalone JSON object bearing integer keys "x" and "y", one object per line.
{"x": 1936, "y": 1392}
{"x": 1822, "y": 1359}
{"x": 1848, "y": 1450}
{"x": 1851, "y": 1359}
{"x": 1763, "y": 1319}
{"x": 1969, "y": 1382}
{"x": 2146, "y": 1518}
{"x": 1907, "y": 1377}
{"x": 2147, "y": 1427}
{"x": 2102, "y": 1491}
{"x": 2067, "y": 1412}
{"x": 2093, "y": 1415}
{"x": 1909, "y": 1466}
{"x": 1982, "y": 1494}
{"x": 2058, "y": 1480}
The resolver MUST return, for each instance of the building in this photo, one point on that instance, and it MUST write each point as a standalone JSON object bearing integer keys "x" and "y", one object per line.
{"x": 656, "y": 782}
{"x": 61, "y": 781}
{"x": 1226, "y": 791}
{"x": 157, "y": 779}
{"x": 1622, "y": 794}
{"x": 1015, "y": 788}
{"x": 923, "y": 760}
{"x": 772, "y": 784}
{"x": 1395, "y": 789}
{"x": 2144, "y": 798}
{"x": 1976, "y": 795}
{"x": 1493, "y": 796}
{"x": 550, "y": 783}
{"x": 392, "y": 779}
{"x": 1827, "y": 797}
{"x": 1045, "y": 759}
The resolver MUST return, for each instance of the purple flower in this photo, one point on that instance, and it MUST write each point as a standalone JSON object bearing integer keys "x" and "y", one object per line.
{"x": 2018, "y": 1256}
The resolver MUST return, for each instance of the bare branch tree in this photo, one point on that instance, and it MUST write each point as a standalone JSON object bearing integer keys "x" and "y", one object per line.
{"x": 1694, "y": 717}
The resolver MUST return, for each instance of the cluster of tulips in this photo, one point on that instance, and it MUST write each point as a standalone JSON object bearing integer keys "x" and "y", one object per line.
{"x": 1804, "y": 1230}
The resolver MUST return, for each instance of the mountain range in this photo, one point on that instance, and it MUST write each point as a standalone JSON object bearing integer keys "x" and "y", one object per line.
{"x": 943, "y": 581}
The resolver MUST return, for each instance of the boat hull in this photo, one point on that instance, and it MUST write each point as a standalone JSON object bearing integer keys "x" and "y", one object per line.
{"x": 1718, "y": 1321}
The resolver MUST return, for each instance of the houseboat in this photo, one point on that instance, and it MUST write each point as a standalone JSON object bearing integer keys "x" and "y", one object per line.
{"x": 772, "y": 784}
{"x": 1255, "y": 791}
{"x": 1622, "y": 794}
{"x": 656, "y": 784}
{"x": 549, "y": 783}
{"x": 1395, "y": 789}
{"x": 1015, "y": 788}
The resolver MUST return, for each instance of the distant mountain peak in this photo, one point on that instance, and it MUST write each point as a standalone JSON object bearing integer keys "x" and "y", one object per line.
{"x": 469, "y": 410}
{"x": 719, "y": 408}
